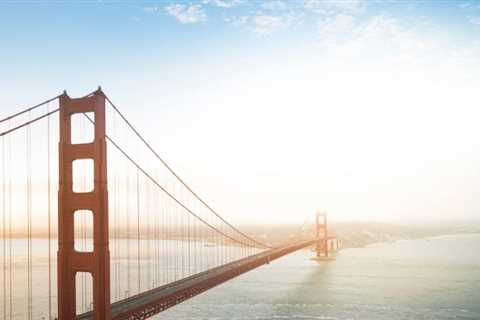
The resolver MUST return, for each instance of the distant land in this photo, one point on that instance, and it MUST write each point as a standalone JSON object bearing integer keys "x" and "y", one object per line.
{"x": 351, "y": 234}
{"x": 359, "y": 234}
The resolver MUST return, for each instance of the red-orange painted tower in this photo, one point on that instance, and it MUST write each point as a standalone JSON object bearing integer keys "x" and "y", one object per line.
{"x": 97, "y": 262}
{"x": 322, "y": 245}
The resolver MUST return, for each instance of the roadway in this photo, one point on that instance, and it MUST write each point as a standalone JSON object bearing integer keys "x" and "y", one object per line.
{"x": 149, "y": 303}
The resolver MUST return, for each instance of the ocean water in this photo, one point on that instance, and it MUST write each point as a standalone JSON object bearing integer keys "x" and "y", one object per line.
{"x": 436, "y": 278}
{"x": 130, "y": 273}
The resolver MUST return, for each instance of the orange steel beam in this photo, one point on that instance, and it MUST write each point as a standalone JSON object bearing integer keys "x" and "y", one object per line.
{"x": 97, "y": 262}
{"x": 322, "y": 245}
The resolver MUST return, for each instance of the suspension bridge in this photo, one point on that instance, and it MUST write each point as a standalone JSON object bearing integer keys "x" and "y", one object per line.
{"x": 96, "y": 224}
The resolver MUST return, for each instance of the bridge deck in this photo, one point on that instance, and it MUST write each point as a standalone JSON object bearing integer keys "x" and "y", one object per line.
{"x": 151, "y": 302}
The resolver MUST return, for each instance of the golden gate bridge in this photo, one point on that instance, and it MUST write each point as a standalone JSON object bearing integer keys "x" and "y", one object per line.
{"x": 107, "y": 229}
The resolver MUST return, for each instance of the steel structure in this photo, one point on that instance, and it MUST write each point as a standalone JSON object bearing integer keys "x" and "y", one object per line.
{"x": 194, "y": 232}
{"x": 97, "y": 263}
{"x": 157, "y": 300}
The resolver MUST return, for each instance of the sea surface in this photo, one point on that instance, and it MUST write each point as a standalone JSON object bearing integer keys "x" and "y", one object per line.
{"x": 435, "y": 278}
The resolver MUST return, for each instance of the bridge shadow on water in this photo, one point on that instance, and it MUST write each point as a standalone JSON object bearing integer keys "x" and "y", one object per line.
{"x": 308, "y": 296}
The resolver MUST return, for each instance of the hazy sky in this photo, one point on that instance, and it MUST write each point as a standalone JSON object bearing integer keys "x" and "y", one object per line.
{"x": 368, "y": 109}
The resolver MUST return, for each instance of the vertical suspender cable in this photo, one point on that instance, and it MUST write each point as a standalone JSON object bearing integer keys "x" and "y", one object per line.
{"x": 224, "y": 256}
{"x": 162, "y": 246}
{"x": 163, "y": 252}
{"x": 142, "y": 139}
{"x": 115, "y": 234}
{"x": 127, "y": 197}
{"x": 115, "y": 213}
{"x": 49, "y": 220}
{"x": 119, "y": 231}
{"x": 202, "y": 246}
{"x": 188, "y": 242}
{"x": 123, "y": 229}
{"x": 149, "y": 265}
{"x": 166, "y": 230}
{"x": 177, "y": 232}
{"x": 174, "y": 243}
{"x": 118, "y": 222}
{"x": 164, "y": 206}
{"x": 138, "y": 232}
{"x": 4, "y": 229}
{"x": 118, "y": 236}
{"x": 179, "y": 235}
{"x": 29, "y": 223}
{"x": 182, "y": 236}
{"x": 159, "y": 234}
{"x": 169, "y": 243}
{"x": 10, "y": 253}
{"x": 194, "y": 243}
{"x": 175, "y": 236}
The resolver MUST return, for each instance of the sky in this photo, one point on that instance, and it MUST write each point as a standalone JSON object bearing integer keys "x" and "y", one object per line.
{"x": 274, "y": 109}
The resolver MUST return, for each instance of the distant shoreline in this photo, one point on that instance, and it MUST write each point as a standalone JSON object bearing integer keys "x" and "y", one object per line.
{"x": 366, "y": 240}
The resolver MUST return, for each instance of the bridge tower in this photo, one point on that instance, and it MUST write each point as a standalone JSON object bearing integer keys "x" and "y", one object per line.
{"x": 322, "y": 231}
{"x": 70, "y": 261}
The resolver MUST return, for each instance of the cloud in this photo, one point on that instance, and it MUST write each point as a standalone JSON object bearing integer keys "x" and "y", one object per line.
{"x": 151, "y": 9}
{"x": 378, "y": 38}
{"x": 330, "y": 7}
{"x": 474, "y": 20}
{"x": 386, "y": 32}
{"x": 237, "y": 21}
{"x": 265, "y": 21}
{"x": 187, "y": 13}
{"x": 267, "y": 24}
{"x": 333, "y": 30}
{"x": 274, "y": 5}
{"x": 467, "y": 6}
{"x": 224, "y": 3}
{"x": 135, "y": 18}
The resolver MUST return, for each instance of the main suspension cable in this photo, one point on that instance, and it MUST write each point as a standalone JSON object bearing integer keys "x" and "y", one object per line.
{"x": 167, "y": 192}
{"x": 137, "y": 133}
{"x": 29, "y": 109}
{"x": 28, "y": 122}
